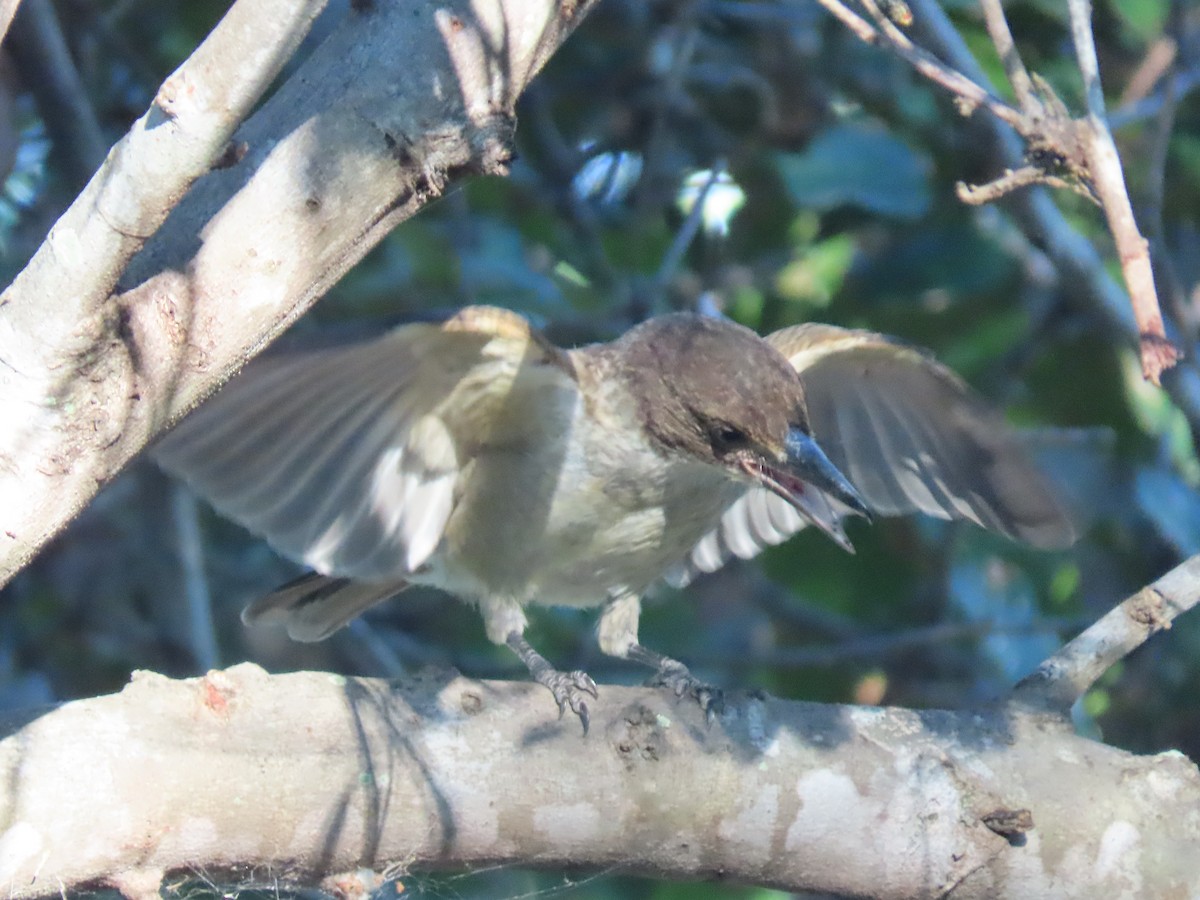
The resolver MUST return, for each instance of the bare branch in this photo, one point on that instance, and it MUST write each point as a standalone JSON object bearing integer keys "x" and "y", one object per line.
{"x": 63, "y": 297}
{"x": 1083, "y": 270}
{"x": 1012, "y": 180}
{"x": 1087, "y": 152}
{"x": 1133, "y": 250}
{"x": 8, "y": 9}
{"x": 442, "y": 772}
{"x": 399, "y": 100}
{"x": 861, "y": 28}
{"x": 1018, "y": 76}
{"x": 969, "y": 92}
{"x": 1066, "y": 676}
{"x": 1180, "y": 85}
{"x": 1158, "y": 65}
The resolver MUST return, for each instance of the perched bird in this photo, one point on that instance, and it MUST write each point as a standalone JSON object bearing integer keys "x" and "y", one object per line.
{"x": 476, "y": 457}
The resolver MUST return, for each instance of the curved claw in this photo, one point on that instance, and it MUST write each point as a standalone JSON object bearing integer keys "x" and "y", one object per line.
{"x": 570, "y": 689}
{"x": 675, "y": 676}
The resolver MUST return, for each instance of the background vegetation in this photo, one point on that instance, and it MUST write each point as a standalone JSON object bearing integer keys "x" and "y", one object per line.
{"x": 828, "y": 172}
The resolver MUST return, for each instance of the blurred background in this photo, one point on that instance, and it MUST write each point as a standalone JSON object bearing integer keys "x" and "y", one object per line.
{"x": 750, "y": 158}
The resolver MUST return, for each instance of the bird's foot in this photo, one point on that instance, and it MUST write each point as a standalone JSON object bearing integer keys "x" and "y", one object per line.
{"x": 570, "y": 689}
{"x": 675, "y": 676}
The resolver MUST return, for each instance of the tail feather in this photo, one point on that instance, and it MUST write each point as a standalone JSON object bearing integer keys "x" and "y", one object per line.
{"x": 315, "y": 606}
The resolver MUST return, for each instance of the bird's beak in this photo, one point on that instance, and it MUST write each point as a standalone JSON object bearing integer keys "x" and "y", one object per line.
{"x": 811, "y": 483}
{"x": 808, "y": 462}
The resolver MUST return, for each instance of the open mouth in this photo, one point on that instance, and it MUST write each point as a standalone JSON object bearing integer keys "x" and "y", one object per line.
{"x": 811, "y": 502}
{"x": 785, "y": 484}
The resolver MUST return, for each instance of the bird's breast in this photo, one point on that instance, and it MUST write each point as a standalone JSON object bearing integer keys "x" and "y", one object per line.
{"x": 588, "y": 508}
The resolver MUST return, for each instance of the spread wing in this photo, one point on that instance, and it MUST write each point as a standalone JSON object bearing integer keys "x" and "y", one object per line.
{"x": 910, "y": 436}
{"x": 348, "y": 459}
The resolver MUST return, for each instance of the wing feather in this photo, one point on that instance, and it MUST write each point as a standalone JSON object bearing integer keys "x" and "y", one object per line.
{"x": 348, "y": 460}
{"x": 908, "y": 434}
{"x": 912, "y": 437}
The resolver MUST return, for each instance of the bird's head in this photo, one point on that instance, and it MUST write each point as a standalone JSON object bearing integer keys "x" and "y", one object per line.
{"x": 718, "y": 393}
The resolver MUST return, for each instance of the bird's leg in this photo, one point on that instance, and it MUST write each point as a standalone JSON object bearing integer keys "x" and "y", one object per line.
{"x": 504, "y": 620}
{"x": 617, "y": 635}
{"x": 569, "y": 688}
{"x": 674, "y": 675}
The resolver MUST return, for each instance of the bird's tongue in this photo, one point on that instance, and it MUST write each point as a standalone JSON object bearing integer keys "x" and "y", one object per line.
{"x": 811, "y": 502}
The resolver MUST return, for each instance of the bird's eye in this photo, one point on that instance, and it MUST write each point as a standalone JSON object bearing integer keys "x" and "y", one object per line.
{"x": 727, "y": 437}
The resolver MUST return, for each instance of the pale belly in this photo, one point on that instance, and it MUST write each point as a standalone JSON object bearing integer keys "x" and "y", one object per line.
{"x": 575, "y": 529}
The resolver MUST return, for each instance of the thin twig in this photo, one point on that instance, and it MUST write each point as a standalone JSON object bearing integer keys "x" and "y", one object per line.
{"x": 1154, "y": 193}
{"x": 1066, "y": 676}
{"x": 971, "y": 94}
{"x": 1159, "y": 64}
{"x": 1084, "y": 274}
{"x": 862, "y": 29}
{"x": 1133, "y": 250}
{"x": 1182, "y": 84}
{"x": 1018, "y": 75}
{"x": 1013, "y": 179}
{"x": 1086, "y": 150}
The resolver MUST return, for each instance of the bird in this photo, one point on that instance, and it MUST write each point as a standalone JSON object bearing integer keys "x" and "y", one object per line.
{"x": 475, "y": 456}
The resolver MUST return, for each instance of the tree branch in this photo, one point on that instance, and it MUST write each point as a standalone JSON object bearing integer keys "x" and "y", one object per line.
{"x": 1014, "y": 66}
{"x": 971, "y": 93}
{"x": 1082, "y": 269}
{"x": 1133, "y": 250}
{"x": 8, "y": 9}
{"x": 1084, "y": 149}
{"x": 403, "y": 97}
{"x": 306, "y": 775}
{"x": 66, "y": 372}
{"x": 1066, "y": 676}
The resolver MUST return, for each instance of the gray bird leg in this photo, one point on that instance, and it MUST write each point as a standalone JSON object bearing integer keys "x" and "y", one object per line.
{"x": 569, "y": 688}
{"x": 617, "y": 636}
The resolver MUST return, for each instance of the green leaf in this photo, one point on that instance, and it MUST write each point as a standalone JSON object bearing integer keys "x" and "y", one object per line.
{"x": 952, "y": 259}
{"x": 816, "y": 274}
{"x": 859, "y": 165}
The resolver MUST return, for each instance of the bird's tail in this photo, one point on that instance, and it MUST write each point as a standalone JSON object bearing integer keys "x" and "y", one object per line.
{"x": 315, "y": 606}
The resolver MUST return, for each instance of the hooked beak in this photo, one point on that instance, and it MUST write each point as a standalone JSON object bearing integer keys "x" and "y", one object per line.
{"x": 809, "y": 463}
{"x": 809, "y": 482}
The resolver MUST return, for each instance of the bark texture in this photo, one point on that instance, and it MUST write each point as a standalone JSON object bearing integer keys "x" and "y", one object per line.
{"x": 240, "y": 775}
{"x": 101, "y": 348}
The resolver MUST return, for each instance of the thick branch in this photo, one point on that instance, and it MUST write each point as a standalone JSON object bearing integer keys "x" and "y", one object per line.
{"x": 66, "y": 382}
{"x": 8, "y": 9}
{"x": 302, "y": 776}
{"x": 403, "y": 97}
